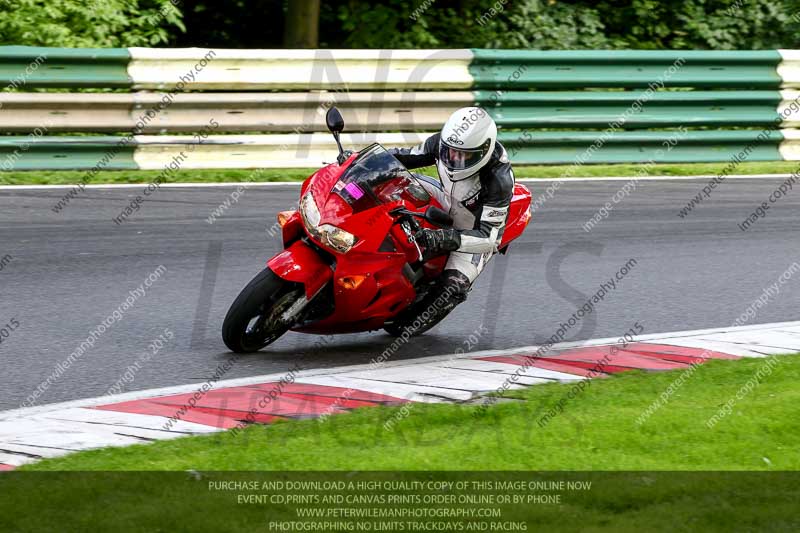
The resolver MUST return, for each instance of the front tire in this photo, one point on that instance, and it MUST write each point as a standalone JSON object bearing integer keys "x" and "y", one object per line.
{"x": 255, "y": 317}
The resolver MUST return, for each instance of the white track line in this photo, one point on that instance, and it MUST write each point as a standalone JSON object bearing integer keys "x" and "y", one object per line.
{"x": 248, "y": 184}
{"x": 57, "y": 429}
{"x": 304, "y": 375}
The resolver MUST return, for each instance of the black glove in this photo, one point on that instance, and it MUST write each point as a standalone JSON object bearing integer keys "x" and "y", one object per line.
{"x": 436, "y": 241}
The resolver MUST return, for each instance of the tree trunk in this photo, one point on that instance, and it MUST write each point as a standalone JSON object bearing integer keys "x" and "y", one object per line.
{"x": 302, "y": 24}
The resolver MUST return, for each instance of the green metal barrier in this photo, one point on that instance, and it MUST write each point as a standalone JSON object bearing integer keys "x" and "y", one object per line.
{"x": 548, "y": 148}
{"x": 67, "y": 153}
{"x": 596, "y": 109}
{"x": 487, "y": 69}
{"x": 523, "y": 69}
{"x": 28, "y": 66}
{"x": 552, "y": 107}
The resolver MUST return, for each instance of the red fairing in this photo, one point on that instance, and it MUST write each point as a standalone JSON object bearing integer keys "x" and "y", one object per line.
{"x": 301, "y": 264}
{"x": 519, "y": 214}
{"x": 376, "y": 278}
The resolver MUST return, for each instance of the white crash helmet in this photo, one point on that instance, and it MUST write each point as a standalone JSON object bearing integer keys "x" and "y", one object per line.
{"x": 467, "y": 142}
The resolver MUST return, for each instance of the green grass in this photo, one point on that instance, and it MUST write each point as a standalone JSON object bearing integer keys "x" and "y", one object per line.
{"x": 596, "y": 431}
{"x": 66, "y": 177}
{"x": 676, "y": 169}
{"x": 299, "y": 174}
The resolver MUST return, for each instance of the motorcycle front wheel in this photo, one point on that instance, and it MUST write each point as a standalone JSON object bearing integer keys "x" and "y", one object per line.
{"x": 255, "y": 318}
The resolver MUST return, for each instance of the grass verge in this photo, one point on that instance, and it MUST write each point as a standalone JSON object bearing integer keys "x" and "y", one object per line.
{"x": 596, "y": 431}
{"x": 64, "y": 177}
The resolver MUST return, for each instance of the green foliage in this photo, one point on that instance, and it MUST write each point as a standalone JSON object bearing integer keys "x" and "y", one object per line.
{"x": 232, "y": 24}
{"x": 531, "y": 24}
{"x": 573, "y": 24}
{"x": 549, "y": 25}
{"x": 701, "y": 24}
{"x": 386, "y": 24}
{"x": 88, "y": 23}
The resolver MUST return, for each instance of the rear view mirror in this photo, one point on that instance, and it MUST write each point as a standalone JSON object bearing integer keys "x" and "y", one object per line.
{"x": 335, "y": 124}
{"x": 334, "y": 120}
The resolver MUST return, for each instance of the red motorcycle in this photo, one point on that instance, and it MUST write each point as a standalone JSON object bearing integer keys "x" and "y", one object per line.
{"x": 350, "y": 262}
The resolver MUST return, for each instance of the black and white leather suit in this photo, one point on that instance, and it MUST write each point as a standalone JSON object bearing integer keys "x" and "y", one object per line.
{"x": 478, "y": 203}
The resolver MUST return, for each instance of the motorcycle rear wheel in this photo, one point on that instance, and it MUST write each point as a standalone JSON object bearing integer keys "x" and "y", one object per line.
{"x": 411, "y": 322}
{"x": 254, "y": 319}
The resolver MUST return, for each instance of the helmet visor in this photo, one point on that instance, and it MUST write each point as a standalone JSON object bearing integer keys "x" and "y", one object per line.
{"x": 461, "y": 158}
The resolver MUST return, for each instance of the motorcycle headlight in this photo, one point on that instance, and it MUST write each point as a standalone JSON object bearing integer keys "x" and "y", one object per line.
{"x": 336, "y": 238}
{"x": 308, "y": 211}
{"x": 331, "y": 236}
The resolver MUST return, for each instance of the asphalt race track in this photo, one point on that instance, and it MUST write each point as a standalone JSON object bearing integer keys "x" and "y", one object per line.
{"x": 62, "y": 274}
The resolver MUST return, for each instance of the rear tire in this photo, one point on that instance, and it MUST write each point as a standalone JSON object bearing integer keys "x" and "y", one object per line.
{"x": 253, "y": 321}
{"x": 433, "y": 306}
{"x": 414, "y": 325}
{"x": 412, "y": 322}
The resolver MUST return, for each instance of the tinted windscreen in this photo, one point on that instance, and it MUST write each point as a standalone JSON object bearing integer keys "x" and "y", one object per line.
{"x": 377, "y": 177}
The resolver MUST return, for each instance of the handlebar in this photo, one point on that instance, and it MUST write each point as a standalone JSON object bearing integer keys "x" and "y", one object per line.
{"x": 434, "y": 215}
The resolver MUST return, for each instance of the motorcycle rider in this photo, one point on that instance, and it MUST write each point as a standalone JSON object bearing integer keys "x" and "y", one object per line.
{"x": 475, "y": 186}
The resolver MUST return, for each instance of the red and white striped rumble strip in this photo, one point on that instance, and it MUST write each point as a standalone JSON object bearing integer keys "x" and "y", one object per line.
{"x": 29, "y": 434}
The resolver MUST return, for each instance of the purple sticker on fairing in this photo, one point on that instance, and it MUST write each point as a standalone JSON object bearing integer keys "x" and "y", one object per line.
{"x": 354, "y": 190}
